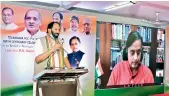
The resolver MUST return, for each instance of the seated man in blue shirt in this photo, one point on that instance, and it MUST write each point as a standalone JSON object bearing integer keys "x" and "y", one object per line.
{"x": 76, "y": 56}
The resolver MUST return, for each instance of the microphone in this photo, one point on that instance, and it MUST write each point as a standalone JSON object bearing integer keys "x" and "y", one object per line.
{"x": 56, "y": 37}
{"x": 62, "y": 47}
{"x": 62, "y": 40}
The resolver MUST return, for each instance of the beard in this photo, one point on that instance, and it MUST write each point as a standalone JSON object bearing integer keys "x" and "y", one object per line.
{"x": 55, "y": 35}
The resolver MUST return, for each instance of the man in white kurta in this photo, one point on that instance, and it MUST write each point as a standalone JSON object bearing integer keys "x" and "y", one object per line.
{"x": 39, "y": 49}
{"x": 47, "y": 52}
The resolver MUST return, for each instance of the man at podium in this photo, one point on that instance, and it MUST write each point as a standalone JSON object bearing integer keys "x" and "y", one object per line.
{"x": 49, "y": 50}
{"x": 54, "y": 80}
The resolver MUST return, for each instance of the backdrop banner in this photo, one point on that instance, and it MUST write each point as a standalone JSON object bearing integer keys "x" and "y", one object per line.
{"x": 22, "y": 27}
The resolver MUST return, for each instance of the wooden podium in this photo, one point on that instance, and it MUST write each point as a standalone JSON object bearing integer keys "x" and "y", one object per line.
{"x": 58, "y": 82}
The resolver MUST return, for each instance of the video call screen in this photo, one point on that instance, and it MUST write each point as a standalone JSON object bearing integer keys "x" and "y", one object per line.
{"x": 144, "y": 67}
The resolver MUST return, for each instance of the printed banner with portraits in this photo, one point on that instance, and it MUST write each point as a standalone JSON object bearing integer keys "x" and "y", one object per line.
{"x": 22, "y": 29}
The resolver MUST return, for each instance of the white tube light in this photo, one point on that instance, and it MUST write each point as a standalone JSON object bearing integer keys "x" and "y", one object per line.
{"x": 120, "y": 5}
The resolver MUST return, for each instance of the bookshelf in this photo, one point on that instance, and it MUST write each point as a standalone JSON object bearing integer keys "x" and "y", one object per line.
{"x": 160, "y": 56}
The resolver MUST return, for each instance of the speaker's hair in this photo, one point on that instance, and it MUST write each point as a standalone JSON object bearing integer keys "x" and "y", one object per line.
{"x": 133, "y": 36}
{"x": 50, "y": 25}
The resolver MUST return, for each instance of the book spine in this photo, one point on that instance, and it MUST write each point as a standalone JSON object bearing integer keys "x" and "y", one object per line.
{"x": 113, "y": 31}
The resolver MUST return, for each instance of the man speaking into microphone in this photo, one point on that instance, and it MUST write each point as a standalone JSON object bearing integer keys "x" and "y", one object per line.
{"x": 49, "y": 51}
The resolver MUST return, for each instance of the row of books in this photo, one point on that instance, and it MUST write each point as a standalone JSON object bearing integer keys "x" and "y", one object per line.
{"x": 146, "y": 58}
{"x": 145, "y": 32}
{"x": 120, "y": 31}
{"x": 160, "y": 55}
{"x": 115, "y": 44}
{"x": 160, "y": 38}
{"x": 160, "y": 35}
{"x": 116, "y": 57}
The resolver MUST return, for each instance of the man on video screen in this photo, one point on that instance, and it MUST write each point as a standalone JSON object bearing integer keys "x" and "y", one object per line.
{"x": 130, "y": 70}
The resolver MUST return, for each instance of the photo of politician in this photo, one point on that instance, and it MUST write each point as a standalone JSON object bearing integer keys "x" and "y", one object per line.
{"x": 74, "y": 24}
{"x": 87, "y": 26}
{"x": 130, "y": 70}
{"x": 58, "y": 17}
{"x": 32, "y": 22}
{"x": 8, "y": 19}
{"x": 76, "y": 56}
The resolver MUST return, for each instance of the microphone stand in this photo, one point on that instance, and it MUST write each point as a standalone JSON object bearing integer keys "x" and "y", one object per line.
{"x": 61, "y": 44}
{"x": 61, "y": 52}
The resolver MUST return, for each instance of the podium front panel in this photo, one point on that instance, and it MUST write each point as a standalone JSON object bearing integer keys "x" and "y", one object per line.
{"x": 68, "y": 88}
